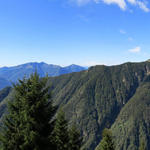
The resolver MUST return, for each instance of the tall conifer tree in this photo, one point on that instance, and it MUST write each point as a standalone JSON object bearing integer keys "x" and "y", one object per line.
{"x": 75, "y": 139}
{"x": 65, "y": 138}
{"x": 60, "y": 133}
{"x": 27, "y": 125}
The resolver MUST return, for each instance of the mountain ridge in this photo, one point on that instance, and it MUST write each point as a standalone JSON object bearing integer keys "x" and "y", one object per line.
{"x": 94, "y": 98}
{"x": 12, "y": 74}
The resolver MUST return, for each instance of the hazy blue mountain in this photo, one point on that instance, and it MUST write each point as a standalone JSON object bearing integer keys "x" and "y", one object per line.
{"x": 4, "y": 83}
{"x": 12, "y": 74}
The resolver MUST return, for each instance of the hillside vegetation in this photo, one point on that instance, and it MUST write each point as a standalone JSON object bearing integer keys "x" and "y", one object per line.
{"x": 103, "y": 96}
{"x": 132, "y": 126}
{"x": 3, "y": 101}
{"x": 95, "y": 97}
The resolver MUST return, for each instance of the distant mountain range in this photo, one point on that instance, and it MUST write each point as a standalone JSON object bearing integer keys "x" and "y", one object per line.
{"x": 12, "y": 74}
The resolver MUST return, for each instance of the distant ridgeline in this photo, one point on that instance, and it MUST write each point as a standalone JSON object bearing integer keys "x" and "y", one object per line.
{"x": 12, "y": 74}
{"x": 116, "y": 97}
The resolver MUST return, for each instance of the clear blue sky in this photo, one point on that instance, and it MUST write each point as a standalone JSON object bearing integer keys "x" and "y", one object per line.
{"x": 84, "y": 32}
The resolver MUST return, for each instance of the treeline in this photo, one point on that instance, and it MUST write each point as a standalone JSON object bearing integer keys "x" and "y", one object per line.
{"x": 32, "y": 123}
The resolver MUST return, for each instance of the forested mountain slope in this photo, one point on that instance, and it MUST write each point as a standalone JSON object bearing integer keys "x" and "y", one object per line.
{"x": 97, "y": 97}
{"x": 132, "y": 126}
{"x": 3, "y": 94}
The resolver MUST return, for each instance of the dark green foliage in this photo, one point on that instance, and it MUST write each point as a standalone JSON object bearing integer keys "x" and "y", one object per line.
{"x": 133, "y": 122}
{"x": 107, "y": 141}
{"x": 27, "y": 125}
{"x": 75, "y": 141}
{"x": 63, "y": 137}
{"x": 60, "y": 133}
{"x": 142, "y": 146}
{"x": 3, "y": 94}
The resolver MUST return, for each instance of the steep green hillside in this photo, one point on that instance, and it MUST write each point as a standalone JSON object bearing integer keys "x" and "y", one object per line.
{"x": 132, "y": 126}
{"x": 94, "y": 98}
{"x": 3, "y": 94}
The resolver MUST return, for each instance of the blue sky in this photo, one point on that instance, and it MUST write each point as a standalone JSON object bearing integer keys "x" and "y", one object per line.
{"x": 64, "y": 32}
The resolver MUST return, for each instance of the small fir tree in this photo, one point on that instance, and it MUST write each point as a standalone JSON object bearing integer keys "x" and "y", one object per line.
{"x": 60, "y": 132}
{"x": 75, "y": 140}
{"x": 107, "y": 141}
{"x": 65, "y": 138}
